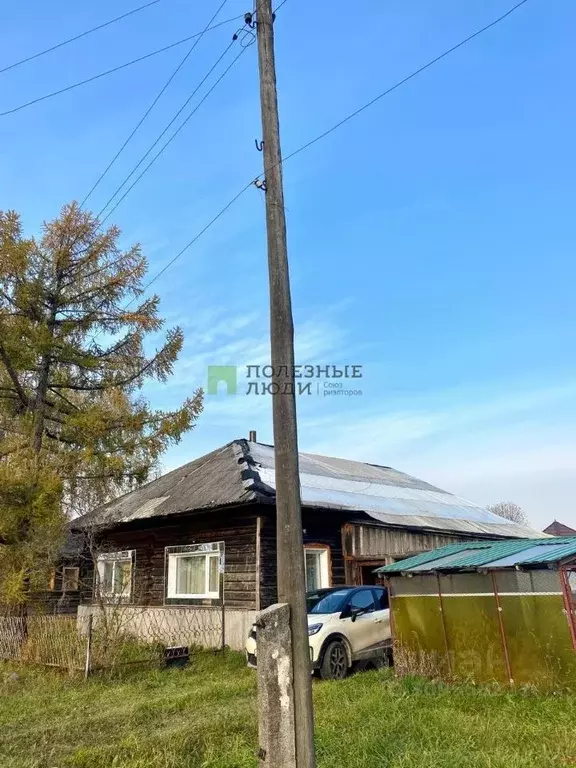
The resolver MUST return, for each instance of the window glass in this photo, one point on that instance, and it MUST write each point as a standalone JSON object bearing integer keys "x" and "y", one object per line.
{"x": 317, "y": 568}
{"x": 214, "y": 578}
{"x": 382, "y": 601}
{"x": 114, "y": 574}
{"x": 193, "y": 570}
{"x": 122, "y": 576}
{"x": 363, "y": 599}
{"x": 330, "y": 602}
{"x": 70, "y": 577}
{"x": 191, "y": 575}
{"x": 106, "y": 576}
{"x": 313, "y": 570}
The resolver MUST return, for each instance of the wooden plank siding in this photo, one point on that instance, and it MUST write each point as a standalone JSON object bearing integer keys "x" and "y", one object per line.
{"x": 249, "y": 536}
{"x": 381, "y": 545}
{"x": 149, "y": 538}
{"x": 377, "y": 541}
{"x": 54, "y": 600}
{"x": 319, "y": 527}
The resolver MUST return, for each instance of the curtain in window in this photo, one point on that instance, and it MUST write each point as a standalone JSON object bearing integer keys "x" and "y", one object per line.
{"x": 106, "y": 570}
{"x": 191, "y": 575}
{"x": 122, "y": 577}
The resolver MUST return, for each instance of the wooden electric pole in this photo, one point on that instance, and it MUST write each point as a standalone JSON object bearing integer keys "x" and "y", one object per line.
{"x": 291, "y": 569}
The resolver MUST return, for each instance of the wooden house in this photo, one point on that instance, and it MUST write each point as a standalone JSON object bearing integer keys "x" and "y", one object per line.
{"x": 559, "y": 529}
{"x": 204, "y": 535}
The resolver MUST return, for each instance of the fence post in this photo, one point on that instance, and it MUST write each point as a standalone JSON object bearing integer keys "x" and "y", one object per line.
{"x": 88, "y": 648}
{"x": 276, "y": 721}
{"x": 223, "y": 641}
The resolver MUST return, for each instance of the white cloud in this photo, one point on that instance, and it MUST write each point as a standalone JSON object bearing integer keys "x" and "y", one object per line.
{"x": 507, "y": 447}
{"x": 488, "y": 444}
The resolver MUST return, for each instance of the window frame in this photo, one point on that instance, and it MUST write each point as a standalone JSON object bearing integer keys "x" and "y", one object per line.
{"x": 206, "y": 550}
{"x": 121, "y": 556}
{"x": 325, "y": 565}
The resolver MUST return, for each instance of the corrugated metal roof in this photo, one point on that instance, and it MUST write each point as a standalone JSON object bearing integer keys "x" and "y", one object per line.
{"x": 214, "y": 480}
{"x": 384, "y": 494}
{"x": 243, "y": 471}
{"x": 488, "y": 555}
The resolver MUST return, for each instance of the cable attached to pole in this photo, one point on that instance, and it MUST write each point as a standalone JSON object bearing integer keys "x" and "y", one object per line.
{"x": 115, "y": 69}
{"x": 77, "y": 37}
{"x": 151, "y": 107}
{"x": 262, "y": 176}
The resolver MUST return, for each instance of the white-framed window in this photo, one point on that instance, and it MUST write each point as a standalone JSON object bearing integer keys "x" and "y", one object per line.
{"x": 70, "y": 579}
{"x": 317, "y": 567}
{"x": 114, "y": 573}
{"x": 193, "y": 571}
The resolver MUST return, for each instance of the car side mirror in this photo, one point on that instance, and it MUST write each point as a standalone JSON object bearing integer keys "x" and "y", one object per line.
{"x": 352, "y": 612}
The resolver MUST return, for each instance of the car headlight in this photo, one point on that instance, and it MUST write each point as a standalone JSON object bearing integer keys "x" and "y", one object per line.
{"x": 314, "y": 629}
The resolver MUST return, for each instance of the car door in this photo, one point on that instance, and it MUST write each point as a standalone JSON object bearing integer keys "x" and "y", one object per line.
{"x": 382, "y": 616}
{"x": 365, "y": 630}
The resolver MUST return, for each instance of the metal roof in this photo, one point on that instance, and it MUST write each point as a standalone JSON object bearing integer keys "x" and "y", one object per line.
{"x": 382, "y": 493}
{"x": 242, "y": 472}
{"x": 471, "y": 556}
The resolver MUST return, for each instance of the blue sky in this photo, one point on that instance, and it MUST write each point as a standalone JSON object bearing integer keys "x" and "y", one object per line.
{"x": 431, "y": 239}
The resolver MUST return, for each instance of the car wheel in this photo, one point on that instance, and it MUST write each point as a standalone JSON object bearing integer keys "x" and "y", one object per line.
{"x": 335, "y": 662}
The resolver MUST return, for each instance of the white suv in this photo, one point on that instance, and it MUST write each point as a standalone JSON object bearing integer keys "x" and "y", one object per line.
{"x": 347, "y": 626}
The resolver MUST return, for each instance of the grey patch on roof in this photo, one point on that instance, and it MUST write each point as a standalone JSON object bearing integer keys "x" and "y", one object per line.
{"x": 384, "y": 494}
{"x": 328, "y": 466}
{"x": 243, "y": 471}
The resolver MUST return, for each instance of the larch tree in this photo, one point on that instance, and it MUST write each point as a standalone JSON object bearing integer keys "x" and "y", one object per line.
{"x": 75, "y": 332}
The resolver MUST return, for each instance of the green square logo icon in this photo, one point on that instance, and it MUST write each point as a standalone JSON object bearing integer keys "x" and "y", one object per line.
{"x": 227, "y": 374}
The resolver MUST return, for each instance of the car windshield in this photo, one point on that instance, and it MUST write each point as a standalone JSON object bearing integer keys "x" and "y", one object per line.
{"x": 327, "y": 602}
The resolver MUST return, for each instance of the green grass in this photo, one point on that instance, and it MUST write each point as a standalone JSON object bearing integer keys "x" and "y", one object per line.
{"x": 205, "y": 717}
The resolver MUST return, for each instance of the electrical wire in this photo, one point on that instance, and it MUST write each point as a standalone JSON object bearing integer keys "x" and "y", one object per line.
{"x": 117, "y": 69}
{"x": 172, "y": 121}
{"x": 402, "y": 82}
{"x": 151, "y": 107}
{"x": 194, "y": 239}
{"x": 331, "y": 130}
{"x": 77, "y": 37}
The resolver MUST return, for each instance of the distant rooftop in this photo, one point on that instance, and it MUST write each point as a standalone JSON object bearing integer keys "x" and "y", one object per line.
{"x": 559, "y": 529}
{"x": 243, "y": 472}
{"x": 488, "y": 555}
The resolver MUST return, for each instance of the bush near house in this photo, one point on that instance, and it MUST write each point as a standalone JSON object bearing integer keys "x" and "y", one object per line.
{"x": 205, "y": 717}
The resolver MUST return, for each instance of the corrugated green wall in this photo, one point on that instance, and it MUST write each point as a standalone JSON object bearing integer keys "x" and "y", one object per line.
{"x": 468, "y": 646}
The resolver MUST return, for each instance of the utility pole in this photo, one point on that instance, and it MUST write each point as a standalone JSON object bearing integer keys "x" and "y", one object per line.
{"x": 291, "y": 569}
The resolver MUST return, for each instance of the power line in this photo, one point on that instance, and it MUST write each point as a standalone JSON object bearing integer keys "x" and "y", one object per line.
{"x": 158, "y": 138}
{"x": 170, "y": 140}
{"x": 156, "y": 100}
{"x": 331, "y": 130}
{"x": 118, "y": 68}
{"x": 77, "y": 37}
{"x": 403, "y": 81}
{"x": 195, "y": 238}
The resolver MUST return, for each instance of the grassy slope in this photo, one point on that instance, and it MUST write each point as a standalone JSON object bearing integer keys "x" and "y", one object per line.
{"x": 204, "y": 717}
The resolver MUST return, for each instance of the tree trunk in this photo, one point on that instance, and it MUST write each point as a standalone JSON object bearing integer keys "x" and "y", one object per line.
{"x": 39, "y": 404}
